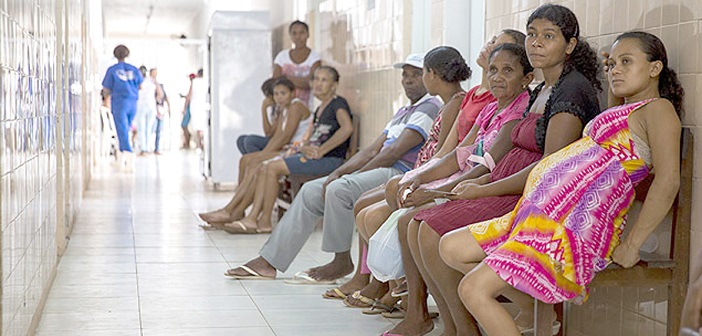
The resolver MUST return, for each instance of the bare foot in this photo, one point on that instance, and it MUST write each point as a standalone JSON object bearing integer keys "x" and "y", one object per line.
{"x": 337, "y": 268}
{"x": 259, "y": 265}
{"x": 356, "y": 283}
{"x": 374, "y": 291}
{"x": 413, "y": 327}
{"x": 400, "y": 290}
{"x": 219, "y": 216}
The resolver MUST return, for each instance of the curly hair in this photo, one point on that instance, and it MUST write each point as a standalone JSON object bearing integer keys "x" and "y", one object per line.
{"x": 669, "y": 86}
{"x": 448, "y": 64}
{"x": 516, "y": 50}
{"x": 583, "y": 58}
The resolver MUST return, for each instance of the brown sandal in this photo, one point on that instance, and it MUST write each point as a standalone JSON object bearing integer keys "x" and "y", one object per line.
{"x": 365, "y": 302}
{"x": 335, "y": 294}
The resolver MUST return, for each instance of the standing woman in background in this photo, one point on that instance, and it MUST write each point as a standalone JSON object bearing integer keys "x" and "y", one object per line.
{"x": 121, "y": 85}
{"x": 186, "y": 119}
{"x": 298, "y": 63}
{"x": 196, "y": 100}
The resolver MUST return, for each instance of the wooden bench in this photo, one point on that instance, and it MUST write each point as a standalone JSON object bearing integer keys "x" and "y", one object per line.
{"x": 652, "y": 269}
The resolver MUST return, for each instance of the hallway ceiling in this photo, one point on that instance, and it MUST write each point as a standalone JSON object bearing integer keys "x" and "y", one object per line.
{"x": 162, "y": 18}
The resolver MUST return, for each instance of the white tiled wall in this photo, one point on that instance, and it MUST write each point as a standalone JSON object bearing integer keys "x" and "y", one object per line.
{"x": 35, "y": 132}
{"x": 362, "y": 39}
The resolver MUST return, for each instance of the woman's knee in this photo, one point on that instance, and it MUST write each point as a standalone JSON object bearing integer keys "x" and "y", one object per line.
{"x": 361, "y": 222}
{"x": 393, "y": 184}
{"x": 450, "y": 249}
{"x": 245, "y": 160}
{"x": 469, "y": 290}
{"x": 359, "y": 206}
{"x": 375, "y": 217}
{"x": 427, "y": 235}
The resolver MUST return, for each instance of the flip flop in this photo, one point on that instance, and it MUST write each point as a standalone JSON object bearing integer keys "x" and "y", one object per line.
{"x": 212, "y": 226}
{"x": 366, "y": 302}
{"x": 302, "y": 278}
{"x": 252, "y": 275}
{"x": 335, "y": 294}
{"x": 379, "y": 308}
{"x": 237, "y": 227}
{"x": 399, "y": 314}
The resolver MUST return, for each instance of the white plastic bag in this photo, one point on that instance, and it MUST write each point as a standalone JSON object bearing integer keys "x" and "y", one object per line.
{"x": 384, "y": 252}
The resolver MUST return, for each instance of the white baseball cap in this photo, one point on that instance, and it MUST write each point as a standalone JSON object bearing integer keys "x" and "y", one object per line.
{"x": 415, "y": 60}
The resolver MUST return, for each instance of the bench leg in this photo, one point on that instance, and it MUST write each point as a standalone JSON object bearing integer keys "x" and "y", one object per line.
{"x": 542, "y": 318}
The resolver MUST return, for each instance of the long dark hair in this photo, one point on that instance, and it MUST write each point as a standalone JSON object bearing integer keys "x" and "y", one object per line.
{"x": 448, "y": 63}
{"x": 668, "y": 84}
{"x": 583, "y": 58}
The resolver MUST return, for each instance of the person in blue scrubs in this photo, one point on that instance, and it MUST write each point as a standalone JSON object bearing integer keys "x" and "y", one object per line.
{"x": 121, "y": 84}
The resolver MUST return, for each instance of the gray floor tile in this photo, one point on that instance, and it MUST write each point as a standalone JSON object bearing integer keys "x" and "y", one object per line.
{"x": 174, "y": 319}
{"x": 93, "y": 321}
{"x": 247, "y": 331}
{"x": 139, "y": 264}
{"x": 218, "y": 302}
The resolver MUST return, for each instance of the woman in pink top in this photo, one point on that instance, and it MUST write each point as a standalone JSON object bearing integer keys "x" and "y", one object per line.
{"x": 298, "y": 63}
{"x": 371, "y": 213}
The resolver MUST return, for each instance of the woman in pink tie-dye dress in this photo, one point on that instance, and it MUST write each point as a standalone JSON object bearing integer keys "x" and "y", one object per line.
{"x": 567, "y": 225}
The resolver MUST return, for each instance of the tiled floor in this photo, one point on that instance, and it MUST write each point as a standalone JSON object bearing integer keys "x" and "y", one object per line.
{"x": 139, "y": 264}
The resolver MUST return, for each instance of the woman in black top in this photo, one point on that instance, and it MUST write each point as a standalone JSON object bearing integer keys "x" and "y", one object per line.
{"x": 323, "y": 150}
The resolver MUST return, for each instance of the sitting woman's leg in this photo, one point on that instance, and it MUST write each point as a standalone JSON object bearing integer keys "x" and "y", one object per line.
{"x": 375, "y": 289}
{"x": 259, "y": 219}
{"x": 376, "y": 215}
{"x": 417, "y": 320}
{"x": 478, "y": 291}
{"x": 274, "y": 170}
{"x": 234, "y": 210}
{"x": 461, "y": 251}
{"x": 445, "y": 278}
{"x": 391, "y": 192}
{"x": 251, "y": 162}
{"x": 368, "y": 198}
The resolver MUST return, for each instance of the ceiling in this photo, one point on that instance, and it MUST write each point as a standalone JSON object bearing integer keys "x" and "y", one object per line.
{"x": 157, "y": 18}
